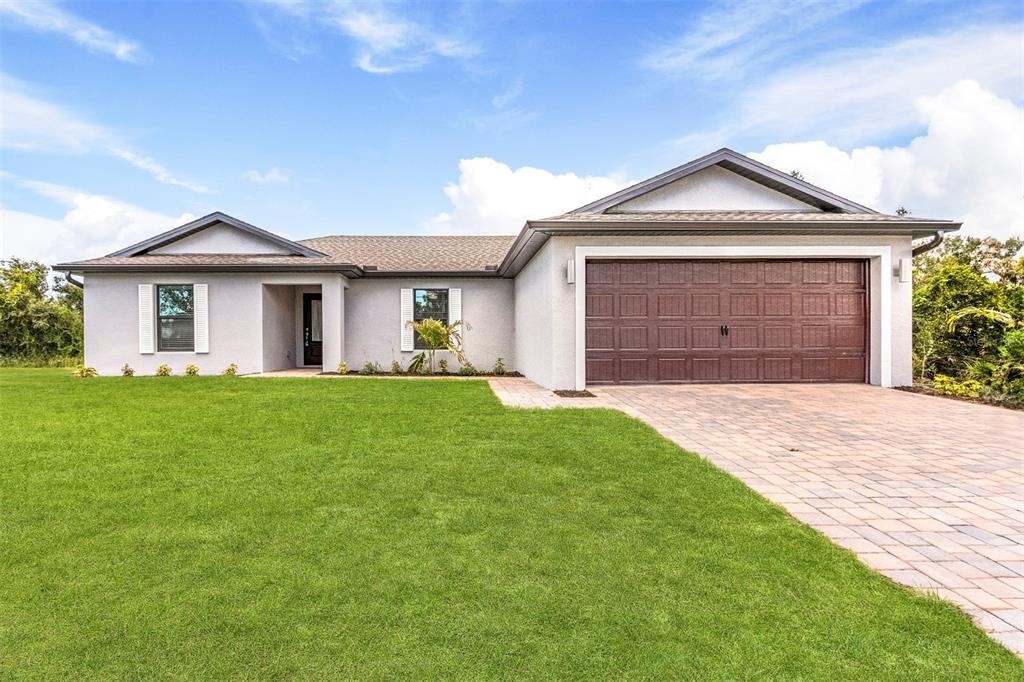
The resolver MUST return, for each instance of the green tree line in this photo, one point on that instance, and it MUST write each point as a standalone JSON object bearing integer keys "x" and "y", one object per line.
{"x": 39, "y": 323}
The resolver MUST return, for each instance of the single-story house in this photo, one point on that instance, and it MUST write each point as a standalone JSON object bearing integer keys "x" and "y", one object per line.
{"x": 720, "y": 270}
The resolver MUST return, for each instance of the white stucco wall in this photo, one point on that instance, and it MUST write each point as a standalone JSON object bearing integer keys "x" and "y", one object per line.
{"x": 535, "y": 351}
{"x": 221, "y": 238}
{"x": 278, "y": 327}
{"x": 713, "y": 189}
{"x": 235, "y": 320}
{"x": 537, "y": 287}
{"x": 373, "y": 320}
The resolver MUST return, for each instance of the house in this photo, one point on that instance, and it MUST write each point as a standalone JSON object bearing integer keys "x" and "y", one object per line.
{"x": 720, "y": 270}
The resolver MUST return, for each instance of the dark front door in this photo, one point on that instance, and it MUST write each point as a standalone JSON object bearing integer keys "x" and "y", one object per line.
{"x": 691, "y": 321}
{"x": 312, "y": 330}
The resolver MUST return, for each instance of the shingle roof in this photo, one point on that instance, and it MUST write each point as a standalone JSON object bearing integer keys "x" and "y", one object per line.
{"x": 732, "y": 217}
{"x": 415, "y": 254}
{"x": 380, "y": 254}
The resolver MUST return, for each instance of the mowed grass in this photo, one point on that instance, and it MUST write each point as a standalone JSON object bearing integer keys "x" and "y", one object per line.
{"x": 199, "y": 528}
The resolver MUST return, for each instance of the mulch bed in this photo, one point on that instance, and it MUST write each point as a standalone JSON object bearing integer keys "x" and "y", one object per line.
{"x": 574, "y": 394}
{"x": 925, "y": 389}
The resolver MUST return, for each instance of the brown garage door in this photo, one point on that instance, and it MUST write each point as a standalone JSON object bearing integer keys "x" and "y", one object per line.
{"x": 726, "y": 321}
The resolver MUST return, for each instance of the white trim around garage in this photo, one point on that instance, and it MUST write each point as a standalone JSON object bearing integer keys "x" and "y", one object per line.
{"x": 880, "y": 255}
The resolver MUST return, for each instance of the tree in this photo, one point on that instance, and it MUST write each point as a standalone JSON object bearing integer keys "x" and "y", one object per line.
{"x": 32, "y": 323}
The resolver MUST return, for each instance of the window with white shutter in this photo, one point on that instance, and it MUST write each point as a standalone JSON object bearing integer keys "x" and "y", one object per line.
{"x": 201, "y": 319}
{"x": 146, "y": 319}
{"x": 408, "y": 335}
{"x": 454, "y": 305}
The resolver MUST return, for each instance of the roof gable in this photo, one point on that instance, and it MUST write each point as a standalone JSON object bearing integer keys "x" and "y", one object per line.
{"x": 713, "y": 189}
{"x": 807, "y": 196}
{"x": 218, "y": 233}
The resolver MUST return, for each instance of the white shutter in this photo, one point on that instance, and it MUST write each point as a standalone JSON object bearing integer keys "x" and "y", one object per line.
{"x": 454, "y": 305}
{"x": 407, "y": 331}
{"x": 201, "y": 318}
{"x": 146, "y": 319}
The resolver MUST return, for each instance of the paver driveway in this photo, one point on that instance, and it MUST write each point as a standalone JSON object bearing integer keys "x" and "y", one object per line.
{"x": 926, "y": 490}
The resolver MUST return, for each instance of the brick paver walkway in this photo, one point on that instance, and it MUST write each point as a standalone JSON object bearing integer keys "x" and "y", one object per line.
{"x": 928, "y": 491}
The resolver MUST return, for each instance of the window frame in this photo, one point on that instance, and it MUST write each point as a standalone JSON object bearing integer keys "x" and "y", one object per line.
{"x": 416, "y": 343}
{"x": 159, "y": 318}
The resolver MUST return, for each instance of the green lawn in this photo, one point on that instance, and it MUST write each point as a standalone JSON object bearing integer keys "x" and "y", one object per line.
{"x": 273, "y": 528}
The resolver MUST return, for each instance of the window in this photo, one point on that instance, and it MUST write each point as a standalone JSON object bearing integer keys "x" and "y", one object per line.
{"x": 429, "y": 304}
{"x": 175, "y": 317}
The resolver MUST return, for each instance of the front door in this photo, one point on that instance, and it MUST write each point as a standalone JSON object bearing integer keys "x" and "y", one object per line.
{"x": 312, "y": 330}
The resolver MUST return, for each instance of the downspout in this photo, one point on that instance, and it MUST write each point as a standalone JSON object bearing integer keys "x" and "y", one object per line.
{"x": 69, "y": 278}
{"x": 928, "y": 245}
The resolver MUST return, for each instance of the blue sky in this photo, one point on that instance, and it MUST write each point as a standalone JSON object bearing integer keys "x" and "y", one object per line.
{"x": 121, "y": 119}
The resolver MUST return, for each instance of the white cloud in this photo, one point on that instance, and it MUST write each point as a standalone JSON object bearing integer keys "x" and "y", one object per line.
{"x": 859, "y": 96}
{"x": 965, "y": 167}
{"x": 491, "y": 197}
{"x": 274, "y": 175}
{"x": 28, "y": 123}
{"x": 154, "y": 168}
{"x": 386, "y": 42}
{"x": 729, "y": 38}
{"x": 508, "y": 95}
{"x": 40, "y": 15}
{"x": 94, "y": 225}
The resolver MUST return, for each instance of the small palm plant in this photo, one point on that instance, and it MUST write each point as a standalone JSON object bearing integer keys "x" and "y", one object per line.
{"x": 436, "y": 335}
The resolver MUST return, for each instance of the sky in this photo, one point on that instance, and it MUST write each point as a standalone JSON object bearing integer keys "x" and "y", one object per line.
{"x": 119, "y": 120}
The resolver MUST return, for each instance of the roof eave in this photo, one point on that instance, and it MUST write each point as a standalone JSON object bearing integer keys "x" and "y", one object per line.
{"x": 347, "y": 269}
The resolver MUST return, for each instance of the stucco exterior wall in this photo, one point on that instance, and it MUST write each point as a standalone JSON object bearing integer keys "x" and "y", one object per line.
{"x": 373, "y": 320}
{"x": 561, "y": 348}
{"x": 534, "y": 316}
{"x": 278, "y": 327}
{"x": 235, "y": 320}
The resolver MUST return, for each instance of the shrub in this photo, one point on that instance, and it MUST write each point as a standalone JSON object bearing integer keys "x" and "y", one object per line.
{"x": 191, "y": 370}
{"x": 371, "y": 368}
{"x": 1013, "y": 345}
{"x": 467, "y": 369}
{"x": 396, "y": 367}
{"x": 163, "y": 371}
{"x": 342, "y": 368}
{"x": 499, "y": 366}
{"x": 442, "y": 366}
{"x": 83, "y": 372}
{"x": 967, "y": 388}
{"x": 232, "y": 370}
{"x": 127, "y": 371}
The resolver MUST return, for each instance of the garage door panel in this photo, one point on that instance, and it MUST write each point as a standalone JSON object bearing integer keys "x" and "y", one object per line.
{"x": 633, "y": 338}
{"x": 706, "y": 369}
{"x": 706, "y": 337}
{"x": 744, "y": 369}
{"x": 744, "y": 305}
{"x": 666, "y": 321}
{"x": 672, "y": 369}
{"x": 600, "y": 338}
{"x": 849, "y": 368}
{"x": 672, "y": 305}
{"x": 601, "y": 370}
{"x": 672, "y": 338}
{"x": 742, "y": 337}
{"x": 705, "y": 305}
{"x": 632, "y": 305}
{"x": 778, "y": 305}
{"x": 600, "y": 305}
{"x": 633, "y": 369}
